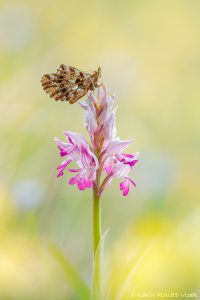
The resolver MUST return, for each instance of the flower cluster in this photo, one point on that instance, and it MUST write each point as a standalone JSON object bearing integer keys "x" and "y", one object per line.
{"x": 105, "y": 154}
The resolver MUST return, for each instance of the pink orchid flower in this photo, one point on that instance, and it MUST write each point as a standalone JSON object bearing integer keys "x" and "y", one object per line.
{"x": 105, "y": 155}
{"x": 78, "y": 150}
{"x": 120, "y": 166}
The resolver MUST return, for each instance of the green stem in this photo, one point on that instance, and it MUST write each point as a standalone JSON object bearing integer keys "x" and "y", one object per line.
{"x": 97, "y": 284}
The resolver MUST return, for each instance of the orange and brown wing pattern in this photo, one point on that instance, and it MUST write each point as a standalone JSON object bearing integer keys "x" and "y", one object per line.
{"x": 69, "y": 83}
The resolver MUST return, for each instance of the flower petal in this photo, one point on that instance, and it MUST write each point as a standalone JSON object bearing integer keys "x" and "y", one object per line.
{"x": 129, "y": 159}
{"x": 64, "y": 148}
{"x": 90, "y": 119}
{"x": 120, "y": 170}
{"x": 75, "y": 138}
{"x": 110, "y": 127}
{"x": 62, "y": 167}
{"x": 91, "y": 97}
{"x": 117, "y": 146}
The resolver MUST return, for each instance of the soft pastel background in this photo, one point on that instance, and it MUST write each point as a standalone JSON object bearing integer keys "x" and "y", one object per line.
{"x": 149, "y": 52}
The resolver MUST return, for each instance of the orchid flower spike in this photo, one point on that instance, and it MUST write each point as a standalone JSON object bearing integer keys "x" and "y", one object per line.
{"x": 104, "y": 159}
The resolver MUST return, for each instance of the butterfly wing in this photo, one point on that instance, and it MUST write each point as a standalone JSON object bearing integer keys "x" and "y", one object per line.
{"x": 68, "y": 83}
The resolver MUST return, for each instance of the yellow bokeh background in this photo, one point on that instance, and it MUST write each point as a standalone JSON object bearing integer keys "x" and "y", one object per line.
{"x": 149, "y": 55}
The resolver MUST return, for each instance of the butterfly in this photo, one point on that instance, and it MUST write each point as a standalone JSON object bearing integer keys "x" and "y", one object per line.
{"x": 70, "y": 84}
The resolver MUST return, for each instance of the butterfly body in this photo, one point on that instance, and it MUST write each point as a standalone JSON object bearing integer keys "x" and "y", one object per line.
{"x": 70, "y": 84}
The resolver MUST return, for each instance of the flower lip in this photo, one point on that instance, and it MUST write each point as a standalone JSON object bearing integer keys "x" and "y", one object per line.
{"x": 124, "y": 186}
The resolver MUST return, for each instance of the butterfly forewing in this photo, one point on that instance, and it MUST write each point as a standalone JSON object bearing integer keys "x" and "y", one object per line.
{"x": 69, "y": 83}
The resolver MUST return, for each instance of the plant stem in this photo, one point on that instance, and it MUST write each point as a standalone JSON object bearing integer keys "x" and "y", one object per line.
{"x": 97, "y": 284}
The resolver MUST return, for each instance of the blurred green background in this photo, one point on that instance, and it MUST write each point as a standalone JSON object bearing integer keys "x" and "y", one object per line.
{"x": 149, "y": 52}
